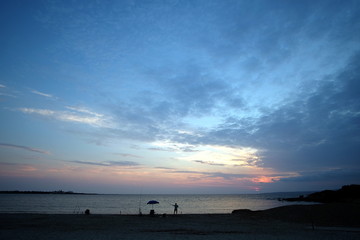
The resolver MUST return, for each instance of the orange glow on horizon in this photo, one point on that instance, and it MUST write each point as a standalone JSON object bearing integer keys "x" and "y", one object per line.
{"x": 265, "y": 179}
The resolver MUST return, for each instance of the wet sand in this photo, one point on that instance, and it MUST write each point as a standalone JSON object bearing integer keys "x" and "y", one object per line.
{"x": 278, "y": 223}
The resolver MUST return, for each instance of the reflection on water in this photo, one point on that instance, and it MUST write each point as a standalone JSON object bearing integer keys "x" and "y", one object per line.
{"x": 130, "y": 204}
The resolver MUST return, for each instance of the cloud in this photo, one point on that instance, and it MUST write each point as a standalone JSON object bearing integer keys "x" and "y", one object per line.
{"x": 235, "y": 177}
{"x": 42, "y": 94}
{"x": 216, "y": 174}
{"x": 344, "y": 175}
{"x": 192, "y": 91}
{"x": 275, "y": 30}
{"x": 127, "y": 155}
{"x": 89, "y": 118}
{"x": 162, "y": 149}
{"x": 204, "y": 85}
{"x": 109, "y": 163}
{"x": 316, "y": 129}
{"x": 6, "y": 145}
{"x": 168, "y": 146}
{"x": 8, "y": 95}
{"x": 17, "y": 169}
{"x": 172, "y": 149}
{"x": 209, "y": 163}
{"x": 6, "y": 92}
{"x": 123, "y": 163}
{"x": 84, "y": 110}
{"x": 164, "y": 168}
{"x": 255, "y": 73}
{"x": 237, "y": 163}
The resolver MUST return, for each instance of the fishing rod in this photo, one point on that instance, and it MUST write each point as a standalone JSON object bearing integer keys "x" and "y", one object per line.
{"x": 140, "y": 213}
{"x": 176, "y": 207}
{"x": 173, "y": 204}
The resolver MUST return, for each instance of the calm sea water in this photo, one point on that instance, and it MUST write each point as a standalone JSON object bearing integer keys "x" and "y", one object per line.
{"x": 130, "y": 204}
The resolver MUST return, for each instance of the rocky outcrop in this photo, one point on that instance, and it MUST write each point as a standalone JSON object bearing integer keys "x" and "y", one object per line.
{"x": 347, "y": 193}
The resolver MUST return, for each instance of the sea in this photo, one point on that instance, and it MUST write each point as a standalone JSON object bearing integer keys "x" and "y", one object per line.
{"x": 134, "y": 204}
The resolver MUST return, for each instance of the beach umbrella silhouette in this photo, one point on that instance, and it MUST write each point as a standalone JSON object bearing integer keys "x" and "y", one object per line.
{"x": 152, "y": 202}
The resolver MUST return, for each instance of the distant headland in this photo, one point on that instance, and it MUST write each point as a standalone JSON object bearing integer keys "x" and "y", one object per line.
{"x": 348, "y": 193}
{"x": 45, "y": 192}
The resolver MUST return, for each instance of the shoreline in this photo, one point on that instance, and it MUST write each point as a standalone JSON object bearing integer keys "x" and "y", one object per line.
{"x": 132, "y": 204}
{"x": 344, "y": 209}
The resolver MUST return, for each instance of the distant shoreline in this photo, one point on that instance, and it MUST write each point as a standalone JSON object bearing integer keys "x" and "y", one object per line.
{"x": 347, "y": 193}
{"x": 46, "y": 192}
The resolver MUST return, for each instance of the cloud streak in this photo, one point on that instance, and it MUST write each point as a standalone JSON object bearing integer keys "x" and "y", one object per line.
{"x": 30, "y": 149}
{"x": 127, "y": 155}
{"x": 235, "y": 177}
{"x": 42, "y": 94}
{"x": 344, "y": 175}
{"x": 209, "y": 163}
{"x": 109, "y": 163}
{"x": 84, "y": 110}
{"x": 89, "y": 118}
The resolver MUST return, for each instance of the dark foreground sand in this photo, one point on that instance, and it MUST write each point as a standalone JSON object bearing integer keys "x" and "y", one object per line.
{"x": 293, "y": 222}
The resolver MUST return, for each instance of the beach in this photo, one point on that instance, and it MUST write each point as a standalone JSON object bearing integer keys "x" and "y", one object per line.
{"x": 325, "y": 221}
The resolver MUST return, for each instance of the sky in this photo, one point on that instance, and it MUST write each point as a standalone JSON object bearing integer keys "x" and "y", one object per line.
{"x": 178, "y": 96}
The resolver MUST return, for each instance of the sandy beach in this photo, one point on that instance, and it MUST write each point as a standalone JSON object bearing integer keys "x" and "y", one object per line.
{"x": 334, "y": 221}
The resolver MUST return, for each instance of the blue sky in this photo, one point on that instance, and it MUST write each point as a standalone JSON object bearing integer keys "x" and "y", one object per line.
{"x": 179, "y": 96}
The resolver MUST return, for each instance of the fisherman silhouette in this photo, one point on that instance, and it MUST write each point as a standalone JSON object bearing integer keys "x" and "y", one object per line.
{"x": 176, "y": 208}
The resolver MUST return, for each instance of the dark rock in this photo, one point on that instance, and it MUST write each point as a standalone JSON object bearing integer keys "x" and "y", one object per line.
{"x": 347, "y": 193}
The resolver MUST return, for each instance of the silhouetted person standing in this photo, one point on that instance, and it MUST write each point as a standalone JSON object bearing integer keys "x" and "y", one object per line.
{"x": 176, "y": 208}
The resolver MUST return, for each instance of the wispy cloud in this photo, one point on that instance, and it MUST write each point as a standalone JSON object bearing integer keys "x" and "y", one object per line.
{"x": 42, "y": 94}
{"x": 7, "y": 92}
{"x": 162, "y": 149}
{"x": 209, "y": 163}
{"x": 109, "y": 163}
{"x": 164, "y": 168}
{"x": 6, "y": 145}
{"x": 345, "y": 174}
{"x": 94, "y": 119}
{"x": 16, "y": 169}
{"x": 255, "y": 178}
{"x": 84, "y": 110}
{"x": 168, "y": 146}
{"x": 169, "y": 149}
{"x": 8, "y": 95}
{"x": 127, "y": 155}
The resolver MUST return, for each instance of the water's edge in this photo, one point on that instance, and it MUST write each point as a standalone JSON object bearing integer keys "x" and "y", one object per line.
{"x": 134, "y": 204}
